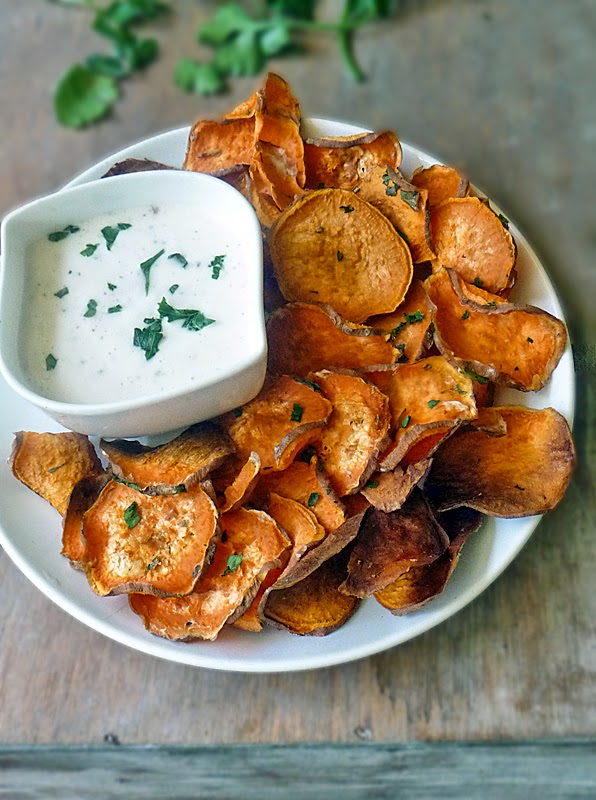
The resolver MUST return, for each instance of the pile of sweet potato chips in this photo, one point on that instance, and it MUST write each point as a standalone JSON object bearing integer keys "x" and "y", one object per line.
{"x": 373, "y": 449}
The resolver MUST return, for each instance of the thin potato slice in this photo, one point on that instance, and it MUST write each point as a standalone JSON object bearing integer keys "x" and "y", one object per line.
{"x": 239, "y": 491}
{"x": 428, "y": 400}
{"x": 214, "y": 146}
{"x": 250, "y": 545}
{"x": 82, "y": 497}
{"x": 51, "y": 464}
{"x": 418, "y": 585}
{"x": 332, "y": 247}
{"x": 280, "y": 422}
{"x": 357, "y": 427}
{"x": 342, "y": 161}
{"x": 404, "y": 205}
{"x": 278, "y": 125}
{"x": 388, "y": 491}
{"x": 409, "y": 325}
{"x": 298, "y": 522}
{"x": 184, "y": 461}
{"x": 274, "y": 175}
{"x": 304, "y": 338}
{"x": 440, "y": 182}
{"x": 526, "y": 471}
{"x": 472, "y": 334}
{"x": 305, "y": 483}
{"x": 250, "y": 619}
{"x": 313, "y": 606}
{"x": 138, "y": 543}
{"x": 390, "y": 544}
{"x": 470, "y": 238}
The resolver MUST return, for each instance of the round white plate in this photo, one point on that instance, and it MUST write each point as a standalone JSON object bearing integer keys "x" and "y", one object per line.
{"x": 30, "y": 529}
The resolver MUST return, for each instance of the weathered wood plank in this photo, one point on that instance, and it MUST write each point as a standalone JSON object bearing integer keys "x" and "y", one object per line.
{"x": 548, "y": 770}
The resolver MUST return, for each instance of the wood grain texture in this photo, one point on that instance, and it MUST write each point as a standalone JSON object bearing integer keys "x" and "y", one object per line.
{"x": 518, "y": 771}
{"x": 505, "y": 91}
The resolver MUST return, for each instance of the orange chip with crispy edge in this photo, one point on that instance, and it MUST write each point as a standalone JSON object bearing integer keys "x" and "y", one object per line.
{"x": 183, "y": 461}
{"x": 342, "y": 161}
{"x": 440, "y": 182}
{"x": 356, "y": 430}
{"x": 82, "y": 497}
{"x": 239, "y": 491}
{"x": 404, "y": 205}
{"x": 282, "y": 419}
{"x": 472, "y": 334}
{"x": 306, "y": 483}
{"x": 526, "y": 471}
{"x": 153, "y": 544}
{"x": 51, "y": 464}
{"x": 333, "y": 247}
{"x": 303, "y": 337}
{"x": 388, "y": 491}
{"x": 390, "y": 543}
{"x": 274, "y": 175}
{"x": 409, "y": 325}
{"x": 471, "y": 239}
{"x": 250, "y": 545}
{"x": 418, "y": 585}
{"x": 214, "y": 146}
{"x": 427, "y": 400}
{"x": 278, "y": 125}
{"x": 313, "y": 606}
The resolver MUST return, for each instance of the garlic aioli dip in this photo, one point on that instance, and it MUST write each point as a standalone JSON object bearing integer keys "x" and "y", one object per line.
{"x": 85, "y": 302}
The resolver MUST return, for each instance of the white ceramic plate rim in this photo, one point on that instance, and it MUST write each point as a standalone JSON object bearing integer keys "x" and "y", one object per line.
{"x": 27, "y": 522}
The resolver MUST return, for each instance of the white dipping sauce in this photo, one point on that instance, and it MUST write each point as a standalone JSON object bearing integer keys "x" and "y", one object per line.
{"x": 96, "y": 360}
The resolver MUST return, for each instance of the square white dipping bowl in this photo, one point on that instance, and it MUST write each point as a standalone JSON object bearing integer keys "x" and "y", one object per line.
{"x": 225, "y": 365}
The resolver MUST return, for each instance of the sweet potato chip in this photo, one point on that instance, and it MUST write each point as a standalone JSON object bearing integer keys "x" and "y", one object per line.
{"x": 284, "y": 418}
{"x": 440, "y": 182}
{"x": 213, "y": 146}
{"x": 251, "y": 543}
{"x": 239, "y": 491}
{"x": 304, "y": 482}
{"x": 342, "y": 161}
{"x": 183, "y": 461}
{"x": 524, "y": 472}
{"x": 332, "y": 247}
{"x": 356, "y": 430}
{"x": 472, "y": 334}
{"x": 409, "y": 325}
{"x": 274, "y": 175}
{"x": 389, "y": 544}
{"x": 250, "y": 619}
{"x": 51, "y": 464}
{"x": 427, "y": 400}
{"x": 304, "y": 338}
{"x": 470, "y": 238}
{"x": 418, "y": 585}
{"x": 404, "y": 205}
{"x": 298, "y": 522}
{"x": 129, "y": 165}
{"x": 278, "y": 125}
{"x": 388, "y": 491}
{"x": 155, "y": 544}
{"x": 313, "y": 606}
{"x": 82, "y": 497}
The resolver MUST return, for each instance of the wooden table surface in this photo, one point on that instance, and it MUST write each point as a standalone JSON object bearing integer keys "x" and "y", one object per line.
{"x": 506, "y": 91}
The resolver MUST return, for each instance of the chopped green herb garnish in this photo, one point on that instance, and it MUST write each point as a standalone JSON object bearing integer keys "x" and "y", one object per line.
{"x": 504, "y": 220}
{"x": 314, "y": 386}
{"x": 207, "y": 153}
{"x": 54, "y": 469}
{"x": 428, "y": 366}
{"x": 131, "y": 515}
{"x": 61, "y": 292}
{"x": 110, "y": 232}
{"x": 478, "y": 282}
{"x": 398, "y": 329}
{"x": 319, "y": 229}
{"x": 127, "y": 483}
{"x": 313, "y": 499}
{"x": 406, "y": 421}
{"x": 347, "y": 209}
{"x": 180, "y": 258}
{"x": 89, "y": 250}
{"x": 297, "y": 413}
{"x": 148, "y": 338}
{"x": 340, "y": 255}
{"x": 216, "y": 266}
{"x": 237, "y": 412}
{"x": 411, "y": 198}
{"x": 307, "y": 454}
{"x": 111, "y": 286}
{"x": 174, "y": 288}
{"x": 51, "y": 362}
{"x": 492, "y": 303}
{"x": 232, "y": 563}
{"x": 193, "y": 319}
{"x": 433, "y": 403}
{"x": 529, "y": 339}
{"x": 475, "y": 377}
{"x": 466, "y": 314}
{"x": 153, "y": 563}
{"x": 91, "y": 309}
{"x": 321, "y": 186}
{"x": 459, "y": 389}
{"x": 114, "y": 309}
{"x": 417, "y": 316}
{"x": 390, "y": 185}
{"x": 372, "y": 484}
{"x": 403, "y": 236}
{"x": 146, "y": 267}
{"x": 57, "y": 236}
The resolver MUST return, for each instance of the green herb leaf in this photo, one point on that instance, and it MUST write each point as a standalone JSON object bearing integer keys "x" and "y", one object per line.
{"x": 478, "y": 282}
{"x": 232, "y": 564}
{"x": 61, "y": 293}
{"x": 174, "y": 288}
{"x": 131, "y": 515}
{"x": 216, "y": 266}
{"x": 475, "y": 377}
{"x": 314, "y": 386}
{"x": 308, "y": 454}
{"x": 110, "y": 233}
{"x": 194, "y": 76}
{"x": 466, "y": 314}
{"x": 89, "y": 250}
{"x": 433, "y": 403}
{"x": 529, "y": 339}
{"x": 319, "y": 229}
{"x": 91, "y": 309}
{"x": 459, "y": 389}
{"x": 149, "y": 338}
{"x": 347, "y": 209}
{"x": 114, "y": 309}
{"x": 153, "y": 563}
{"x": 111, "y": 286}
{"x": 57, "y": 236}
{"x": 110, "y": 66}
{"x": 313, "y": 499}
{"x": 296, "y": 413}
{"x": 51, "y": 362}
{"x": 406, "y": 421}
{"x": 340, "y": 255}
{"x": 56, "y": 468}
{"x": 193, "y": 319}
{"x": 82, "y": 96}
{"x": 417, "y": 316}
{"x": 146, "y": 267}
{"x": 180, "y": 259}
{"x": 504, "y": 220}
{"x": 237, "y": 412}
{"x": 492, "y": 303}
{"x": 411, "y": 198}
{"x": 372, "y": 484}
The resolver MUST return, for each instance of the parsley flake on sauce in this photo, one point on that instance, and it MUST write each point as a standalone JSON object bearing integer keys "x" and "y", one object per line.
{"x": 111, "y": 286}
{"x": 89, "y": 250}
{"x": 91, "y": 309}
{"x": 193, "y": 319}
{"x": 57, "y": 236}
{"x": 232, "y": 564}
{"x": 297, "y": 413}
{"x": 146, "y": 267}
{"x": 131, "y": 515}
{"x": 110, "y": 232}
{"x": 114, "y": 309}
{"x": 148, "y": 338}
{"x": 174, "y": 288}
{"x": 61, "y": 293}
{"x": 216, "y": 266}
{"x": 180, "y": 259}
{"x": 51, "y": 362}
